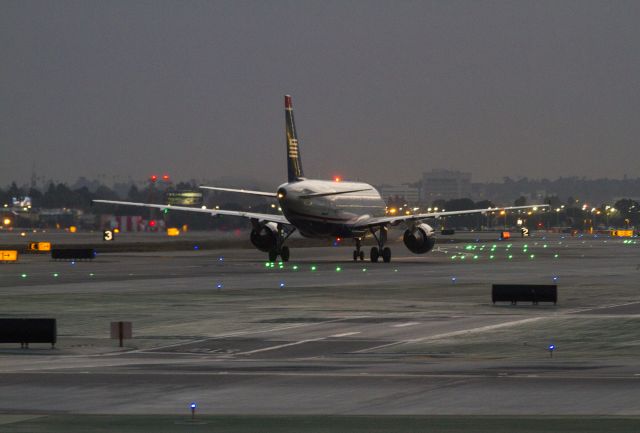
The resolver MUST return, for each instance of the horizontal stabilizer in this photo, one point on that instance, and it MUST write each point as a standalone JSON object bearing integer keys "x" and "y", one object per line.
{"x": 325, "y": 194}
{"x": 241, "y": 191}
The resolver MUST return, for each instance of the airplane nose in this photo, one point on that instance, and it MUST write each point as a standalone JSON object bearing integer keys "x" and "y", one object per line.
{"x": 282, "y": 193}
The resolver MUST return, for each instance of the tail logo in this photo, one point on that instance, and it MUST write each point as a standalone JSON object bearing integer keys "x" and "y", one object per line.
{"x": 293, "y": 148}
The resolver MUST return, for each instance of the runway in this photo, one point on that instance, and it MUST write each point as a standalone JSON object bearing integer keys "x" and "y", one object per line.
{"x": 325, "y": 335}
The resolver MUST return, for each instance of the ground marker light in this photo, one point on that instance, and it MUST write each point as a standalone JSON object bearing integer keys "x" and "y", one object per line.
{"x": 552, "y": 347}
{"x": 193, "y": 407}
{"x": 281, "y": 284}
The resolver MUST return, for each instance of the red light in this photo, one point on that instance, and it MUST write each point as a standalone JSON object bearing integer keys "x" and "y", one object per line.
{"x": 154, "y": 178}
{"x": 338, "y": 239}
{"x": 165, "y": 177}
{"x": 152, "y": 223}
{"x": 337, "y": 179}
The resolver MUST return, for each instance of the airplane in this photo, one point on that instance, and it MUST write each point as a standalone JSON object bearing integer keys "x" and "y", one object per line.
{"x": 326, "y": 209}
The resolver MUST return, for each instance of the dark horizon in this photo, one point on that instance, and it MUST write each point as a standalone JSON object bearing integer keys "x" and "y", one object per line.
{"x": 381, "y": 91}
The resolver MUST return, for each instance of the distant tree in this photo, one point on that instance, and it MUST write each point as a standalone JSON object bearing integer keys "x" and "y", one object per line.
{"x": 459, "y": 204}
{"x": 520, "y": 201}
{"x": 439, "y": 203}
{"x": 553, "y": 201}
{"x": 483, "y": 204}
{"x": 134, "y": 194}
{"x": 14, "y": 191}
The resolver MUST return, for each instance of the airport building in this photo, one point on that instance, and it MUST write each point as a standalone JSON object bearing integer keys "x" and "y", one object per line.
{"x": 445, "y": 184}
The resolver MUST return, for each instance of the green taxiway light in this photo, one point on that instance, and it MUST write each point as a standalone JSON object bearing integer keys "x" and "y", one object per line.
{"x": 491, "y": 256}
{"x": 364, "y": 269}
{"x": 338, "y": 268}
{"x": 510, "y": 257}
{"x": 475, "y": 257}
{"x": 453, "y": 257}
{"x": 462, "y": 257}
{"x": 555, "y": 256}
{"x": 91, "y": 274}
{"x": 55, "y": 274}
{"x": 267, "y": 264}
{"x": 24, "y": 275}
{"x": 295, "y": 267}
{"x": 533, "y": 256}
{"x": 313, "y": 268}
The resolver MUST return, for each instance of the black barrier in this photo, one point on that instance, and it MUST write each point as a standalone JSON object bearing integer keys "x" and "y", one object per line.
{"x": 73, "y": 254}
{"x": 445, "y": 232}
{"x": 515, "y": 293}
{"x": 25, "y": 331}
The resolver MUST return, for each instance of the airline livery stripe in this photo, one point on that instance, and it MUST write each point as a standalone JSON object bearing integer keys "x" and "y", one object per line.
{"x": 320, "y": 217}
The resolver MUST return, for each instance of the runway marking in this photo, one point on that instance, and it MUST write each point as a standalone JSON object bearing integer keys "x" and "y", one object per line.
{"x": 518, "y": 376}
{"x": 455, "y": 333}
{"x": 238, "y": 333}
{"x": 402, "y": 325}
{"x": 279, "y": 346}
{"x": 346, "y": 334}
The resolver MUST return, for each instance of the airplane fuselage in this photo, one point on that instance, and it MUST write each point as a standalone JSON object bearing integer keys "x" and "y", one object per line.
{"x": 331, "y": 215}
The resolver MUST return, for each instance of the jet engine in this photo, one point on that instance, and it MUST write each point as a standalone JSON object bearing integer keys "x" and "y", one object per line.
{"x": 420, "y": 239}
{"x": 264, "y": 237}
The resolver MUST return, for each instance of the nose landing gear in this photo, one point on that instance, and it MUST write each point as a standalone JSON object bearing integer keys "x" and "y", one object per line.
{"x": 358, "y": 253}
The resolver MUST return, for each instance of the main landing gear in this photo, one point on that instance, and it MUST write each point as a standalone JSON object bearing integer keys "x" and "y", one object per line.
{"x": 279, "y": 249}
{"x": 380, "y": 250}
{"x": 358, "y": 253}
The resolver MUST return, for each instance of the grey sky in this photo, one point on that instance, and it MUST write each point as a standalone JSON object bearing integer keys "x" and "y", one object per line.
{"x": 381, "y": 90}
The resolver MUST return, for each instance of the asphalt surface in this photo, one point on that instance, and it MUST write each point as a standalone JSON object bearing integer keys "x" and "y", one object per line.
{"x": 325, "y": 335}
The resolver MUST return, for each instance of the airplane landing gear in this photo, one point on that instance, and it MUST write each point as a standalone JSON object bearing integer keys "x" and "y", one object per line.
{"x": 374, "y": 254}
{"x": 358, "y": 253}
{"x": 380, "y": 250}
{"x": 279, "y": 249}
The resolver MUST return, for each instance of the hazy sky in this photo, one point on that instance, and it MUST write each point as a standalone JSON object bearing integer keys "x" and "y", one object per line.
{"x": 381, "y": 90}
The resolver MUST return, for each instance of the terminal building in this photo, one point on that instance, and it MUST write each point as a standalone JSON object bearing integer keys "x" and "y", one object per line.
{"x": 445, "y": 184}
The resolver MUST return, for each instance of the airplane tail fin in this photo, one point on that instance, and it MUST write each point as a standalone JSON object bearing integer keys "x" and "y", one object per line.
{"x": 294, "y": 164}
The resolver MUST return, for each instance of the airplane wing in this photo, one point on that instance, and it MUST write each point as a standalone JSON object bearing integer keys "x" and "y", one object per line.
{"x": 279, "y": 219}
{"x": 393, "y": 220}
{"x": 242, "y": 191}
